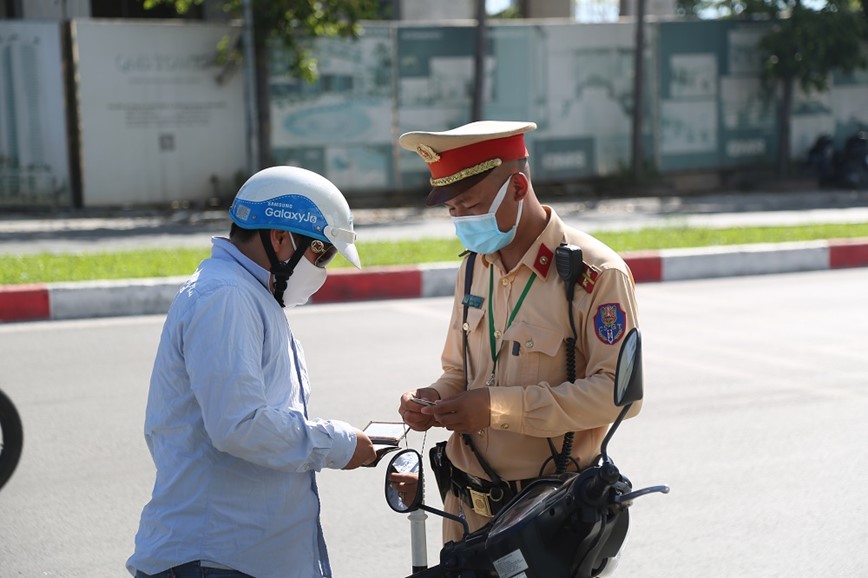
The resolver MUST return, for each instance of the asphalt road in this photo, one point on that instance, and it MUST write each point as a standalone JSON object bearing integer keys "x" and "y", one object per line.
{"x": 756, "y": 397}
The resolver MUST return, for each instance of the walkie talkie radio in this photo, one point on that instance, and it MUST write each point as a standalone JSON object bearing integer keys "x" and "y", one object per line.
{"x": 568, "y": 260}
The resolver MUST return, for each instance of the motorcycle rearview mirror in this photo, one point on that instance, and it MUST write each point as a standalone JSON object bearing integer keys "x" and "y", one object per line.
{"x": 404, "y": 481}
{"x": 405, "y": 487}
{"x": 628, "y": 382}
{"x": 628, "y": 371}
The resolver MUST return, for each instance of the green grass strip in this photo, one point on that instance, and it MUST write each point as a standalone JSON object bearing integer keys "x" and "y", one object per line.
{"x": 51, "y": 268}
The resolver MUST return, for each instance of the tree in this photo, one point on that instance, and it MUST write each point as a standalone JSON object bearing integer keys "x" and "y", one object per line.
{"x": 806, "y": 43}
{"x": 290, "y": 24}
{"x": 805, "y": 49}
{"x": 636, "y": 155}
{"x": 479, "y": 62}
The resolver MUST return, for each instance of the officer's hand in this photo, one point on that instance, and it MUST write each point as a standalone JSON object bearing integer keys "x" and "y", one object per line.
{"x": 411, "y": 411}
{"x": 364, "y": 453}
{"x": 467, "y": 412}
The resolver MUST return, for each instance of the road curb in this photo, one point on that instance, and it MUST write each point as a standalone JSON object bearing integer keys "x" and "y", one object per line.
{"x": 57, "y": 301}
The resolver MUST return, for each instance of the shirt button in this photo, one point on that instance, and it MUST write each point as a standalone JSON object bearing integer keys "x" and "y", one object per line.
{"x": 504, "y": 281}
{"x": 528, "y": 343}
{"x": 497, "y": 334}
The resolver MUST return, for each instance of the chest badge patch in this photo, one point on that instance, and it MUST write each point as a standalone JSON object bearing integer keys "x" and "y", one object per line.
{"x": 609, "y": 323}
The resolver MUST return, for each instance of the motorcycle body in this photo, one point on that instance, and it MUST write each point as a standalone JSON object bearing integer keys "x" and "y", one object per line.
{"x": 567, "y": 526}
{"x": 854, "y": 161}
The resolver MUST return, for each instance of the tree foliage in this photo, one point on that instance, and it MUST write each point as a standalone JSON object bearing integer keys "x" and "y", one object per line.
{"x": 293, "y": 22}
{"x": 810, "y": 44}
{"x": 807, "y": 41}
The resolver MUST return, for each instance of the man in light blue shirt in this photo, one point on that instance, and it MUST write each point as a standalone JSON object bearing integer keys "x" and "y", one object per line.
{"x": 226, "y": 421}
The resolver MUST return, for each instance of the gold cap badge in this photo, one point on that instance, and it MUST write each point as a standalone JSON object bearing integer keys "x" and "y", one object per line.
{"x": 427, "y": 153}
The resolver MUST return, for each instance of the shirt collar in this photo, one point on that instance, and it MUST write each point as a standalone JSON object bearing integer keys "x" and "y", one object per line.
{"x": 222, "y": 248}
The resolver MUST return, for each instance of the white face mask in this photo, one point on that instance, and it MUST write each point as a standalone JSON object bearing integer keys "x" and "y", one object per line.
{"x": 306, "y": 280}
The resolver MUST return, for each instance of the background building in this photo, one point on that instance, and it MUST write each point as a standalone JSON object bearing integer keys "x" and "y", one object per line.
{"x": 99, "y": 111}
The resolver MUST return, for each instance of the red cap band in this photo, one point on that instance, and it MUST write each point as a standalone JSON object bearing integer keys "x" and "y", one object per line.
{"x": 456, "y": 160}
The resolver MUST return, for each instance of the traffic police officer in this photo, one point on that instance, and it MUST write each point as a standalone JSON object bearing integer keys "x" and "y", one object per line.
{"x": 506, "y": 391}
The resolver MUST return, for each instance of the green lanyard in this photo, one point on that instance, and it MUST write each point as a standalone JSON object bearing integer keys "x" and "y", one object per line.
{"x": 494, "y": 350}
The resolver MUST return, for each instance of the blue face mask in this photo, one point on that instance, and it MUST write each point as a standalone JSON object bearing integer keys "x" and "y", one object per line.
{"x": 480, "y": 233}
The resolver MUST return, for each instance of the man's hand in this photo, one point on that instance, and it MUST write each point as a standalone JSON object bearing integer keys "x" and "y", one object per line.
{"x": 406, "y": 484}
{"x": 467, "y": 412}
{"x": 364, "y": 453}
{"x": 411, "y": 411}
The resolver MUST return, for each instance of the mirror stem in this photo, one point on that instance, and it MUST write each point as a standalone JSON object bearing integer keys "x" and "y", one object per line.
{"x": 605, "y": 445}
{"x": 452, "y": 517}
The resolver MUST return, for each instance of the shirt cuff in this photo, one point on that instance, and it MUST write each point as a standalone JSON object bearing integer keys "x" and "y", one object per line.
{"x": 343, "y": 445}
{"x": 505, "y": 408}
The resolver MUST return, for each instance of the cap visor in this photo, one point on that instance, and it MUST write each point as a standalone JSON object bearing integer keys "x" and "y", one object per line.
{"x": 440, "y": 195}
{"x": 349, "y": 252}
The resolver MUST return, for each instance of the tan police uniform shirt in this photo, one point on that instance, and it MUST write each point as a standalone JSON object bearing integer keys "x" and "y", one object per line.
{"x": 531, "y": 398}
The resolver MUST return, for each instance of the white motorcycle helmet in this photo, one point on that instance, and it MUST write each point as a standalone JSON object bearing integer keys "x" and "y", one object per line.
{"x": 299, "y": 201}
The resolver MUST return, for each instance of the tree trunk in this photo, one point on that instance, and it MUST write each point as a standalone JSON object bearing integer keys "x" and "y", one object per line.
{"x": 251, "y": 115}
{"x": 479, "y": 63}
{"x": 638, "y": 96}
{"x": 263, "y": 105}
{"x": 784, "y": 110}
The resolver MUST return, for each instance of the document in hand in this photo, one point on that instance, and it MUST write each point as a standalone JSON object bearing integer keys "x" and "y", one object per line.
{"x": 385, "y": 435}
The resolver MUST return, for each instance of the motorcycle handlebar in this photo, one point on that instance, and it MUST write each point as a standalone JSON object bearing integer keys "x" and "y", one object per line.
{"x": 627, "y": 498}
{"x": 597, "y": 485}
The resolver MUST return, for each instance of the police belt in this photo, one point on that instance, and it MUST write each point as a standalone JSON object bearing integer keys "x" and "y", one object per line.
{"x": 484, "y": 497}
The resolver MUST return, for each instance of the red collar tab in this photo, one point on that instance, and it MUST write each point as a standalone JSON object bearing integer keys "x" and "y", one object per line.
{"x": 589, "y": 277}
{"x": 543, "y": 260}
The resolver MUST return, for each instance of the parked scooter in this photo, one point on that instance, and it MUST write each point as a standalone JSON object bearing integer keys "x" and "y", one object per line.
{"x": 847, "y": 168}
{"x": 566, "y": 526}
{"x": 11, "y": 438}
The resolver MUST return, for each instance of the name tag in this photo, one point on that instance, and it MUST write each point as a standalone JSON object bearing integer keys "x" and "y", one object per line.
{"x": 474, "y": 301}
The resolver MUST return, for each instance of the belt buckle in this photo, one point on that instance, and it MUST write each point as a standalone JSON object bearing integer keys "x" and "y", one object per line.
{"x": 480, "y": 503}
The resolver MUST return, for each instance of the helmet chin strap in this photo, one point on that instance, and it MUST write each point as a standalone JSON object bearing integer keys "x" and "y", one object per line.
{"x": 281, "y": 270}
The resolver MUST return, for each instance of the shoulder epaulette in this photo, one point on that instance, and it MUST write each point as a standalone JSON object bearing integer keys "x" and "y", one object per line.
{"x": 588, "y": 277}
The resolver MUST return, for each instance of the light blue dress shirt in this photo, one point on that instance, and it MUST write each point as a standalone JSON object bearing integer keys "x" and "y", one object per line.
{"x": 227, "y": 427}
